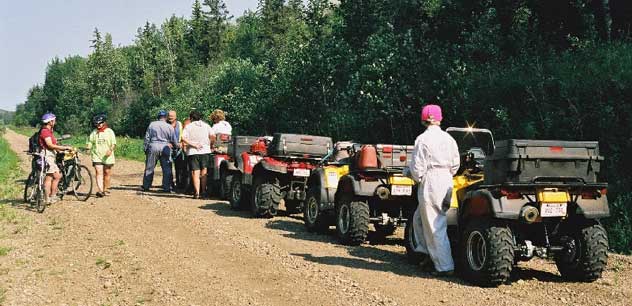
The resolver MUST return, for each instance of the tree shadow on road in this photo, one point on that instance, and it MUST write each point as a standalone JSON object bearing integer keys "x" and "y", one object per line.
{"x": 298, "y": 231}
{"x": 222, "y": 208}
{"x": 526, "y": 273}
{"x": 367, "y": 257}
{"x": 18, "y": 203}
{"x": 376, "y": 258}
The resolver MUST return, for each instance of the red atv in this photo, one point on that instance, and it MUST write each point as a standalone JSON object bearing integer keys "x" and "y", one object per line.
{"x": 226, "y": 152}
{"x": 283, "y": 172}
{"x": 246, "y": 153}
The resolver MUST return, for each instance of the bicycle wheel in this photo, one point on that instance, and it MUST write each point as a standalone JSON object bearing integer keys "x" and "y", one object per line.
{"x": 40, "y": 198}
{"x": 29, "y": 189}
{"x": 81, "y": 183}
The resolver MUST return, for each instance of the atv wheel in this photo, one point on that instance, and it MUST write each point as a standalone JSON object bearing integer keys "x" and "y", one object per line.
{"x": 352, "y": 222}
{"x": 413, "y": 257}
{"x": 266, "y": 197}
{"x": 487, "y": 253}
{"x": 312, "y": 216}
{"x": 585, "y": 255}
{"x": 225, "y": 183}
{"x": 236, "y": 194}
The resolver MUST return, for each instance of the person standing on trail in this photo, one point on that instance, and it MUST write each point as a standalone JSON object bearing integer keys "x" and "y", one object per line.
{"x": 197, "y": 137}
{"x": 48, "y": 143}
{"x": 178, "y": 157}
{"x": 186, "y": 173}
{"x": 220, "y": 125}
{"x": 160, "y": 139}
{"x": 435, "y": 161}
{"x": 101, "y": 144}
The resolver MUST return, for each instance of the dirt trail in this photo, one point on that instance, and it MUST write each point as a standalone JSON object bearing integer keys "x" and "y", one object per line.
{"x": 134, "y": 248}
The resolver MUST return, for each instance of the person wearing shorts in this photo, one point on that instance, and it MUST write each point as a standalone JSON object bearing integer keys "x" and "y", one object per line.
{"x": 48, "y": 143}
{"x": 101, "y": 143}
{"x": 197, "y": 136}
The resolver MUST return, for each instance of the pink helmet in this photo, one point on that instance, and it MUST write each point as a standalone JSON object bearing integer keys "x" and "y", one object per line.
{"x": 431, "y": 112}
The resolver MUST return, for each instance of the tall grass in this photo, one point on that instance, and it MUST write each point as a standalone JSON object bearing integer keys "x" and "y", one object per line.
{"x": 9, "y": 172}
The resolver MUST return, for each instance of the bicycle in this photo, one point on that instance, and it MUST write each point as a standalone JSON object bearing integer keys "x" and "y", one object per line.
{"x": 34, "y": 191}
{"x": 76, "y": 179}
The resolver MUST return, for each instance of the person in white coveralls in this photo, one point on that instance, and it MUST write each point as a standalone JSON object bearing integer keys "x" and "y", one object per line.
{"x": 435, "y": 161}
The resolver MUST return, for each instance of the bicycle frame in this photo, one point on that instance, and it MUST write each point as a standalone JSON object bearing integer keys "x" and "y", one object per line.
{"x": 36, "y": 177}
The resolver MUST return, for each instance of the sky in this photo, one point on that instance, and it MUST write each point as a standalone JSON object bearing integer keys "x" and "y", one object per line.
{"x": 33, "y": 32}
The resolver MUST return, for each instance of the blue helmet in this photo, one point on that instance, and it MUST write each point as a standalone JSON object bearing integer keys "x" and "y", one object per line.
{"x": 162, "y": 113}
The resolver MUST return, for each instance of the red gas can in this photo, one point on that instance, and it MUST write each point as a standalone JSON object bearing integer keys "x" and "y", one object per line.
{"x": 259, "y": 147}
{"x": 368, "y": 157}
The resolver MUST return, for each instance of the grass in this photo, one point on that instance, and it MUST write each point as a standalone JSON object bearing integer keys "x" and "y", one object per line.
{"x": 126, "y": 147}
{"x": 9, "y": 173}
{"x": 23, "y": 130}
{"x": 4, "y": 251}
{"x": 104, "y": 264}
{"x": 10, "y": 190}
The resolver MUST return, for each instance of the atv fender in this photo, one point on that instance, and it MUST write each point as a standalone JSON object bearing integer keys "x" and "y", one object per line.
{"x": 270, "y": 167}
{"x": 350, "y": 185}
{"x": 224, "y": 166}
{"x": 593, "y": 208}
{"x": 228, "y": 165}
{"x": 481, "y": 202}
{"x": 325, "y": 196}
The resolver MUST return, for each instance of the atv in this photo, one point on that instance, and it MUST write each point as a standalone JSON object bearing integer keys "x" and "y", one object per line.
{"x": 226, "y": 151}
{"x": 374, "y": 191}
{"x": 527, "y": 198}
{"x": 321, "y": 189}
{"x": 245, "y": 153}
{"x": 282, "y": 174}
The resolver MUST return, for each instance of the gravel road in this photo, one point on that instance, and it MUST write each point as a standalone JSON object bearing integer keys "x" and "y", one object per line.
{"x": 135, "y": 248}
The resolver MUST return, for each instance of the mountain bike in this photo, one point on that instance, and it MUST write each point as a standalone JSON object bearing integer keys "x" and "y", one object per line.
{"x": 34, "y": 191}
{"x": 76, "y": 179}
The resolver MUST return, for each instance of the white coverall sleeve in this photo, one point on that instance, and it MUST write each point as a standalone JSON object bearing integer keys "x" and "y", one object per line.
{"x": 455, "y": 158}
{"x": 417, "y": 166}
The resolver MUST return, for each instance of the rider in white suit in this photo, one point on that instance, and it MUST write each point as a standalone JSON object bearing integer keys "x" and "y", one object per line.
{"x": 435, "y": 161}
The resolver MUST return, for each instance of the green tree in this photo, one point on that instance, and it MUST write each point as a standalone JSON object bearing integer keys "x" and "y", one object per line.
{"x": 216, "y": 19}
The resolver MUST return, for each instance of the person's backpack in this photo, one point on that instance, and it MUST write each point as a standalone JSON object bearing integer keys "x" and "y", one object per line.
{"x": 34, "y": 144}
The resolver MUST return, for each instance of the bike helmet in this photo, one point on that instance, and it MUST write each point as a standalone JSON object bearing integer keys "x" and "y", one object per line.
{"x": 99, "y": 119}
{"x": 48, "y": 117}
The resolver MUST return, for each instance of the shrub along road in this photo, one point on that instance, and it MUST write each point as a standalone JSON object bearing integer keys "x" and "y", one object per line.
{"x": 134, "y": 248}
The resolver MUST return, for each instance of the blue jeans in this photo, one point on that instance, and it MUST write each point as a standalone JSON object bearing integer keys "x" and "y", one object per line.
{"x": 157, "y": 152}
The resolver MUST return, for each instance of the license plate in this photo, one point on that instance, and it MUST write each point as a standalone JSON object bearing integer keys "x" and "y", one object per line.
{"x": 301, "y": 172}
{"x": 399, "y": 190}
{"x": 332, "y": 179}
{"x": 553, "y": 210}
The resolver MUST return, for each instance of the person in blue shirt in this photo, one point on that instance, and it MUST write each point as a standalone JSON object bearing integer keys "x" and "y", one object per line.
{"x": 160, "y": 140}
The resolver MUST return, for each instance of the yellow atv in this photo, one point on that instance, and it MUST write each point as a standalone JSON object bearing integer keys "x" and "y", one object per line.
{"x": 322, "y": 186}
{"x": 539, "y": 198}
{"x": 374, "y": 192}
{"x": 474, "y": 144}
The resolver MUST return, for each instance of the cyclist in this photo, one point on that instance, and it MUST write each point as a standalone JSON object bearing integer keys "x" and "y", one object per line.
{"x": 48, "y": 143}
{"x": 102, "y": 143}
